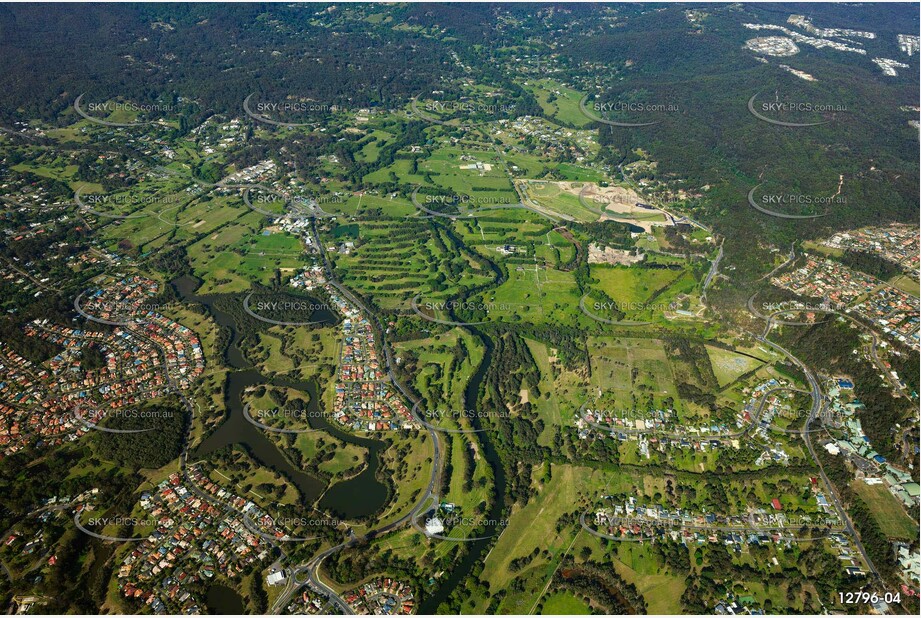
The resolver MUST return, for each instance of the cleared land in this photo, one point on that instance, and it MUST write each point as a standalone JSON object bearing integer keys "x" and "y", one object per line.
{"x": 888, "y": 511}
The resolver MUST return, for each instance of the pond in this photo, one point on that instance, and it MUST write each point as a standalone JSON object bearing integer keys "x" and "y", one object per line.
{"x": 359, "y": 496}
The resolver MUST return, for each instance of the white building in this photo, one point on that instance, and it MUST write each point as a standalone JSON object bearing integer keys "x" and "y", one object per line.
{"x": 275, "y": 578}
{"x": 434, "y": 526}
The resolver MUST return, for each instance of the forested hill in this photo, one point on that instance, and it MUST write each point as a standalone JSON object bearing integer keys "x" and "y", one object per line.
{"x": 693, "y": 56}
{"x": 216, "y": 55}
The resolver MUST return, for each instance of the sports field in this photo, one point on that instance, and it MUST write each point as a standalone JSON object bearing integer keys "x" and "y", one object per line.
{"x": 728, "y": 366}
{"x": 888, "y": 511}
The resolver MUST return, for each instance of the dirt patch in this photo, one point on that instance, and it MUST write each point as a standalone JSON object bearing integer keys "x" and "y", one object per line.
{"x": 621, "y": 204}
{"x": 606, "y": 255}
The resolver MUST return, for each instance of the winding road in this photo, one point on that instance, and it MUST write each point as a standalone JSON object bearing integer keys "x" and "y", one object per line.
{"x": 311, "y": 569}
{"x": 818, "y": 400}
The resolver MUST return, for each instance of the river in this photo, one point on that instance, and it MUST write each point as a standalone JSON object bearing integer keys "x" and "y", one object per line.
{"x": 475, "y": 548}
{"x": 357, "y": 497}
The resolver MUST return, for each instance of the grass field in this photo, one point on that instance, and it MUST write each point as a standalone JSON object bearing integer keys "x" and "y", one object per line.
{"x": 534, "y": 526}
{"x": 225, "y": 271}
{"x": 274, "y": 360}
{"x": 615, "y": 362}
{"x": 250, "y": 480}
{"x": 661, "y": 590}
{"x": 560, "y": 390}
{"x": 372, "y": 145}
{"x": 536, "y": 294}
{"x": 642, "y": 293}
{"x": 265, "y": 408}
{"x": 191, "y": 221}
{"x": 201, "y": 323}
{"x": 300, "y": 352}
{"x": 818, "y": 247}
{"x": 906, "y": 284}
{"x": 564, "y": 604}
{"x": 395, "y": 260}
{"x": 445, "y": 363}
{"x": 471, "y": 500}
{"x": 729, "y": 366}
{"x": 400, "y": 169}
{"x": 523, "y": 164}
{"x": 57, "y": 169}
{"x": 559, "y": 102}
{"x": 338, "y": 458}
{"x": 578, "y": 173}
{"x": 558, "y": 198}
{"x": 888, "y": 511}
{"x": 408, "y": 462}
{"x": 531, "y": 235}
{"x": 477, "y": 173}
{"x": 364, "y": 205}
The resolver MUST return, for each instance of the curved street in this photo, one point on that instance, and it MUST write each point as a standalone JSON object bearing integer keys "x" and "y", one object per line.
{"x": 818, "y": 401}
{"x": 312, "y": 567}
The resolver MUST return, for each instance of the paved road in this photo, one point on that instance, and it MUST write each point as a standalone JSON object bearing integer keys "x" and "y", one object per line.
{"x": 675, "y": 218}
{"x": 707, "y": 527}
{"x": 718, "y": 436}
{"x": 312, "y": 568}
{"x": 790, "y": 258}
{"x": 714, "y": 268}
{"x": 874, "y": 355}
{"x": 818, "y": 401}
